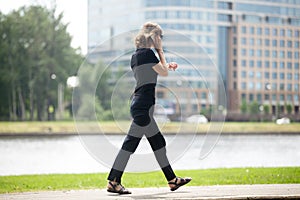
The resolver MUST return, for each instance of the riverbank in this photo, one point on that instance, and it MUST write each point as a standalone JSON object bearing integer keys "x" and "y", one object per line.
{"x": 70, "y": 128}
{"x": 229, "y": 176}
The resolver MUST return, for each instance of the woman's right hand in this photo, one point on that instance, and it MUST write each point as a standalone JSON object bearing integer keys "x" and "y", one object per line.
{"x": 157, "y": 43}
{"x": 173, "y": 66}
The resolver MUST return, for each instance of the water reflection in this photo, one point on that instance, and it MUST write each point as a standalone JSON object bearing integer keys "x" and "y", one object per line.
{"x": 65, "y": 154}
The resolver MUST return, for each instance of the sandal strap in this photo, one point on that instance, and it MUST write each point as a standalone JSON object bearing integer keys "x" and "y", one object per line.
{"x": 182, "y": 180}
{"x": 122, "y": 188}
{"x": 174, "y": 183}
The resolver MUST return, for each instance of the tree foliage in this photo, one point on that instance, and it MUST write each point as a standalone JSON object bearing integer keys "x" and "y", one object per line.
{"x": 34, "y": 44}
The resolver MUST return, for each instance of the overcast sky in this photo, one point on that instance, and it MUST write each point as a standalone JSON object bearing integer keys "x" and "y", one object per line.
{"x": 75, "y": 13}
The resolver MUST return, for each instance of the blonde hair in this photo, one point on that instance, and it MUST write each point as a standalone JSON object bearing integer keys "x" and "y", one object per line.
{"x": 143, "y": 38}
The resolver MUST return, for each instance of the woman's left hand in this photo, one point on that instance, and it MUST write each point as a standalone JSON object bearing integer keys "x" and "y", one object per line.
{"x": 173, "y": 65}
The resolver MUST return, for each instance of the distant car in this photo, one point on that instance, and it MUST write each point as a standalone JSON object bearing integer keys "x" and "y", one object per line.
{"x": 161, "y": 118}
{"x": 283, "y": 120}
{"x": 197, "y": 119}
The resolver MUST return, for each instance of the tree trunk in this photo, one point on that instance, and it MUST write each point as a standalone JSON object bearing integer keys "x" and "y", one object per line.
{"x": 13, "y": 116}
{"x": 22, "y": 105}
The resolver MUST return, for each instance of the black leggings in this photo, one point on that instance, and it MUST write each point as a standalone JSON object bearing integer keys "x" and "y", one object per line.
{"x": 143, "y": 124}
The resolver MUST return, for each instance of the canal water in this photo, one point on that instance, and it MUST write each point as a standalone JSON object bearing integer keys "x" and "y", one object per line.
{"x": 66, "y": 154}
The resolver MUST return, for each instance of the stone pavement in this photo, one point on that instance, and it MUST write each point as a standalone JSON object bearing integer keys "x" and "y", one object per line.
{"x": 235, "y": 192}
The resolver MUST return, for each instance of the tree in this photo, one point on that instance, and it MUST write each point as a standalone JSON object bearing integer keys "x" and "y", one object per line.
{"x": 34, "y": 45}
{"x": 244, "y": 106}
{"x": 254, "y": 108}
{"x": 289, "y": 108}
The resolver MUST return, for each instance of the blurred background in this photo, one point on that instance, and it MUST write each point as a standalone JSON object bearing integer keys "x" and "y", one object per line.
{"x": 243, "y": 65}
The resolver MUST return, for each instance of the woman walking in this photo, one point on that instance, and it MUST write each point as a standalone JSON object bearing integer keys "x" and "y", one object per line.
{"x": 146, "y": 67}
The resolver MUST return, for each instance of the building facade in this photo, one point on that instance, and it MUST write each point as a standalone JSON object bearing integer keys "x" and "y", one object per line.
{"x": 251, "y": 48}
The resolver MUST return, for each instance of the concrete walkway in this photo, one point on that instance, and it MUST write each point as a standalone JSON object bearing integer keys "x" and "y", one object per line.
{"x": 282, "y": 191}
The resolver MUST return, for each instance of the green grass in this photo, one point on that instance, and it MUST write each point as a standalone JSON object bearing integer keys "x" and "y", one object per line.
{"x": 109, "y": 127}
{"x": 9, "y": 184}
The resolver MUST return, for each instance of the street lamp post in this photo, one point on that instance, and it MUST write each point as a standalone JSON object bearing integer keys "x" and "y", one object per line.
{"x": 60, "y": 97}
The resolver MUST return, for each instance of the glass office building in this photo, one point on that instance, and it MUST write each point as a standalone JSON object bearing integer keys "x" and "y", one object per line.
{"x": 251, "y": 45}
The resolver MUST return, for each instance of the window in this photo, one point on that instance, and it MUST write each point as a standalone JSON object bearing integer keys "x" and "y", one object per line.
{"x": 289, "y": 76}
{"x": 258, "y": 75}
{"x": 267, "y": 64}
{"x": 267, "y": 31}
{"x": 258, "y": 31}
{"x": 251, "y": 97}
{"x": 281, "y": 75}
{"x": 234, "y": 51}
{"x": 243, "y": 96}
{"x": 258, "y": 64}
{"x": 296, "y": 54}
{"x": 234, "y": 40}
{"x": 296, "y": 97}
{"x": 274, "y": 65}
{"x": 289, "y": 87}
{"x": 282, "y": 65}
{"x": 289, "y": 97}
{"x": 259, "y": 42}
{"x": 234, "y": 74}
{"x": 244, "y": 85}
{"x": 281, "y": 54}
{"x": 274, "y": 43}
{"x": 251, "y": 74}
{"x": 267, "y": 42}
{"x": 296, "y": 66}
{"x": 274, "y": 86}
{"x": 258, "y": 86}
{"x": 234, "y": 29}
{"x": 274, "y": 54}
{"x": 244, "y": 74}
{"x": 274, "y": 32}
{"x": 234, "y": 63}
{"x": 289, "y": 65}
{"x": 282, "y": 32}
{"x": 282, "y": 97}
{"x": 296, "y": 33}
{"x": 244, "y": 41}
{"x": 258, "y": 97}
{"x": 274, "y": 75}
{"x": 259, "y": 53}
{"x": 251, "y": 52}
{"x": 244, "y": 52}
{"x": 267, "y": 97}
{"x": 244, "y": 29}
{"x": 289, "y": 54}
{"x": 244, "y": 63}
{"x": 267, "y": 53}
{"x": 289, "y": 44}
{"x": 252, "y": 30}
{"x": 251, "y": 85}
{"x": 289, "y": 33}
{"x": 251, "y": 63}
{"x": 251, "y": 41}
{"x": 281, "y": 86}
{"x": 282, "y": 43}
{"x": 296, "y": 87}
{"x": 267, "y": 75}
{"x": 296, "y": 44}
{"x": 296, "y": 76}
{"x": 274, "y": 98}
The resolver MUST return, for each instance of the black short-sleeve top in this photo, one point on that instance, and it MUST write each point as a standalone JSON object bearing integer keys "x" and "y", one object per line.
{"x": 142, "y": 62}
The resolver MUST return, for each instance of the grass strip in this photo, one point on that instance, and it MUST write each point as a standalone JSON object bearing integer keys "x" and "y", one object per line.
{"x": 224, "y": 176}
{"x": 121, "y": 127}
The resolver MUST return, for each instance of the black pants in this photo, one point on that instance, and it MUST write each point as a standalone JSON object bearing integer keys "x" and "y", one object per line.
{"x": 143, "y": 124}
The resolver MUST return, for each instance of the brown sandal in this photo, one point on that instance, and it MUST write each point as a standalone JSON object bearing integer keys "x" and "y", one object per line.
{"x": 121, "y": 191}
{"x": 182, "y": 182}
